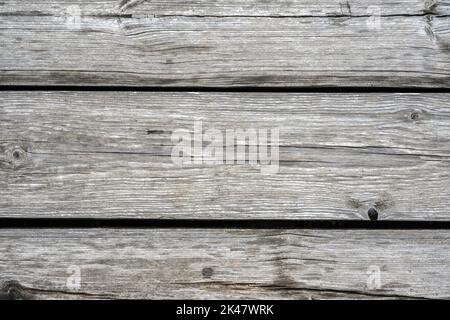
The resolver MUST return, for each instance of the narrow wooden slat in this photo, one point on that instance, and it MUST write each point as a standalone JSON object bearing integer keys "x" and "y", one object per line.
{"x": 227, "y": 8}
{"x": 139, "y": 43}
{"x": 224, "y": 264}
{"x": 108, "y": 155}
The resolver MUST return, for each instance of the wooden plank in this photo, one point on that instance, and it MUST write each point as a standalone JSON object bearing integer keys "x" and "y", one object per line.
{"x": 108, "y": 155}
{"x": 294, "y": 44}
{"x": 227, "y": 8}
{"x": 224, "y": 264}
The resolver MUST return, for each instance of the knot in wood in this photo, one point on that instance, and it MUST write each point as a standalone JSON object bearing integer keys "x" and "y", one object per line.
{"x": 415, "y": 115}
{"x": 373, "y": 214}
{"x": 17, "y": 156}
{"x": 13, "y": 290}
{"x": 207, "y": 272}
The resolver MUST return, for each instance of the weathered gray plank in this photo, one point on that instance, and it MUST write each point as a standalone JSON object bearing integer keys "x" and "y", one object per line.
{"x": 139, "y": 43}
{"x": 227, "y": 8}
{"x": 224, "y": 264}
{"x": 108, "y": 155}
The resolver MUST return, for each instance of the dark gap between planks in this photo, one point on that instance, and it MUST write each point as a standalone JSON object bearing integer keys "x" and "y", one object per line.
{"x": 84, "y": 223}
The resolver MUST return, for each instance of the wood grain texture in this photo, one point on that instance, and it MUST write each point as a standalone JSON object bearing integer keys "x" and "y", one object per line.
{"x": 224, "y": 264}
{"x": 108, "y": 155}
{"x": 227, "y": 8}
{"x": 206, "y": 44}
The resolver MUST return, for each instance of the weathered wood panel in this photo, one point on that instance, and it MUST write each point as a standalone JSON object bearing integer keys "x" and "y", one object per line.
{"x": 227, "y": 8}
{"x": 108, "y": 155}
{"x": 224, "y": 264}
{"x": 139, "y": 43}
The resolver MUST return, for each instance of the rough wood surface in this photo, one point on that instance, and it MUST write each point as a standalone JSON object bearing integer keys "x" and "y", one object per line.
{"x": 190, "y": 264}
{"x": 245, "y": 43}
{"x": 226, "y": 8}
{"x": 107, "y": 155}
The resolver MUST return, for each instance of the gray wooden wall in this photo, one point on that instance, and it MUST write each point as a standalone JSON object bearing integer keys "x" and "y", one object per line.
{"x": 92, "y": 205}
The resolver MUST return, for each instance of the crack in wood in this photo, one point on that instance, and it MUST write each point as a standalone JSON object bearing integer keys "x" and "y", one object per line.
{"x": 288, "y": 289}
{"x": 13, "y": 290}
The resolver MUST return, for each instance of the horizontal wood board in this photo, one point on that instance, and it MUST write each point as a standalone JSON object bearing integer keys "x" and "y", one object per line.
{"x": 108, "y": 155}
{"x": 224, "y": 264}
{"x": 225, "y": 43}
